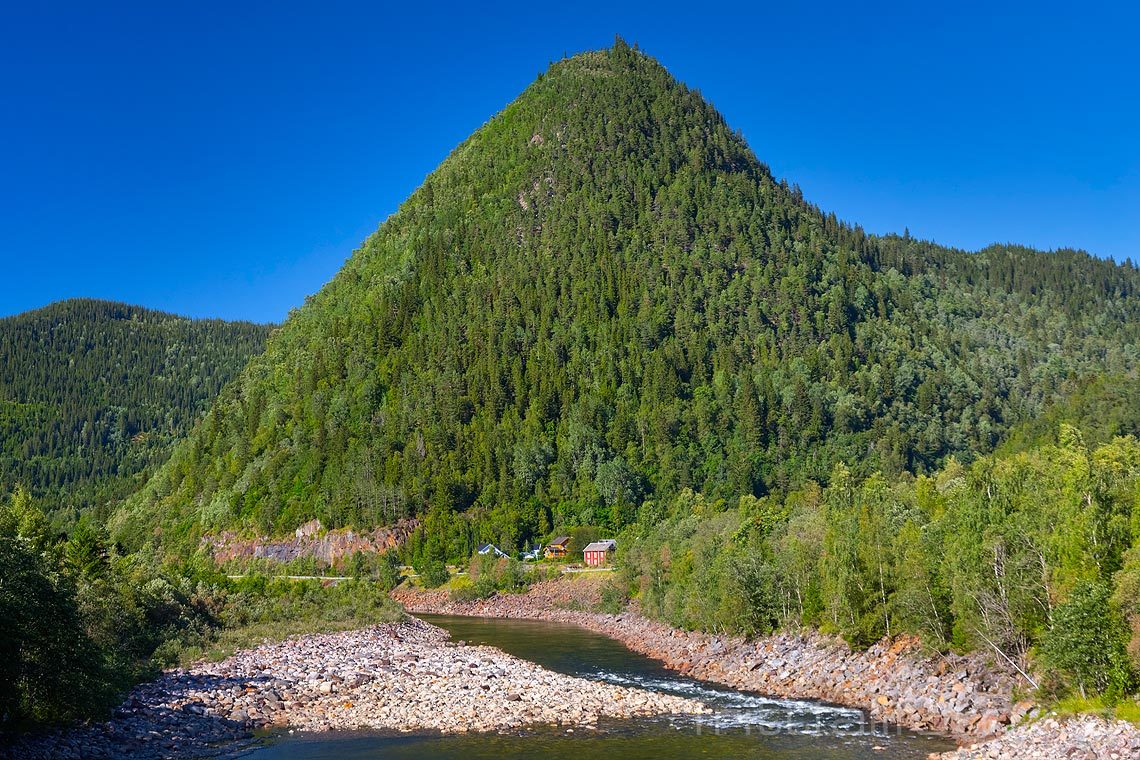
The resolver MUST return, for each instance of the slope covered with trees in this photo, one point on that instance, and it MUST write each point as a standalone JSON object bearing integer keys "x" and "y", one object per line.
{"x": 602, "y": 298}
{"x": 94, "y": 393}
{"x": 1031, "y": 554}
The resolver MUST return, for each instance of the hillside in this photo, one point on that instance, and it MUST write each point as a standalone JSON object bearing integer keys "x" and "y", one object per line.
{"x": 602, "y": 298}
{"x": 1101, "y": 406}
{"x": 94, "y": 393}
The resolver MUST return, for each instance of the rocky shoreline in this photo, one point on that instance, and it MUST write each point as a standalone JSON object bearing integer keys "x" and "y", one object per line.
{"x": 398, "y": 677}
{"x": 1085, "y": 737}
{"x": 969, "y": 698}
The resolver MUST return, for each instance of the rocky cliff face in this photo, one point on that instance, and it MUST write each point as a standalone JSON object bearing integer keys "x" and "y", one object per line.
{"x": 311, "y": 540}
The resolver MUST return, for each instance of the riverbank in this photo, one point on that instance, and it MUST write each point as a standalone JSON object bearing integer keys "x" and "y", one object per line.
{"x": 1083, "y": 737}
{"x": 969, "y": 698}
{"x": 400, "y": 677}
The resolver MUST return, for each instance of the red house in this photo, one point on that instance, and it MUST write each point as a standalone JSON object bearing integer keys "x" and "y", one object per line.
{"x": 598, "y": 553}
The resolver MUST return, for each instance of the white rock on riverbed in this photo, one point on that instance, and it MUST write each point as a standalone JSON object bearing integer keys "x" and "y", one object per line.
{"x": 402, "y": 676}
{"x": 1081, "y": 738}
{"x": 406, "y": 677}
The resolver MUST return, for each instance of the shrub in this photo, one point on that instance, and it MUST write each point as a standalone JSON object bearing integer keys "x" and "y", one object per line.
{"x": 464, "y": 590}
{"x": 615, "y": 596}
{"x": 1087, "y": 642}
{"x": 433, "y": 574}
{"x": 50, "y": 669}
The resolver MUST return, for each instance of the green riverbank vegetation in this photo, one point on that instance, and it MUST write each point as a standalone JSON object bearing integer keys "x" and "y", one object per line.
{"x": 1032, "y": 556}
{"x": 83, "y": 623}
{"x": 603, "y": 315}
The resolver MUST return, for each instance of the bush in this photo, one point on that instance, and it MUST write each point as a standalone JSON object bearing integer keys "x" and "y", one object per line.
{"x": 513, "y": 577}
{"x": 488, "y": 575}
{"x": 1087, "y": 642}
{"x": 50, "y": 669}
{"x": 82, "y": 624}
{"x": 388, "y": 572}
{"x": 615, "y": 596}
{"x": 433, "y": 574}
{"x": 465, "y": 590}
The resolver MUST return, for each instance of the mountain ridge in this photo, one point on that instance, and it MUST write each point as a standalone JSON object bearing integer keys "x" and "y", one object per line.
{"x": 94, "y": 392}
{"x": 603, "y": 297}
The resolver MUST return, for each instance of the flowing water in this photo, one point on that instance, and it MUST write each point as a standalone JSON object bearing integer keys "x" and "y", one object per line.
{"x": 742, "y": 725}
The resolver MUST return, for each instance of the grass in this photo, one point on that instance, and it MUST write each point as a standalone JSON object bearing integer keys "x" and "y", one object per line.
{"x": 281, "y": 609}
{"x": 230, "y": 640}
{"x": 1126, "y": 709}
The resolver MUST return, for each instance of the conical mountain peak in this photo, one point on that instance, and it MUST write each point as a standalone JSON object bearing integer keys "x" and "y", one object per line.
{"x": 602, "y": 298}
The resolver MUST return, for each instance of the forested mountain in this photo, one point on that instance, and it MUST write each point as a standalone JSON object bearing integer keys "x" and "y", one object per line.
{"x": 603, "y": 297}
{"x": 92, "y": 393}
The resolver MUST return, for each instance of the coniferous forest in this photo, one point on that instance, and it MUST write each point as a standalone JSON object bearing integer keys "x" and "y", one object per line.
{"x": 602, "y": 297}
{"x": 94, "y": 393}
{"x": 603, "y": 312}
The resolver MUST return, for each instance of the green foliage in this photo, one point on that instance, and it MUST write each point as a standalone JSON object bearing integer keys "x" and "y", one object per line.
{"x": 1087, "y": 642}
{"x": 1126, "y": 596}
{"x": 710, "y": 573}
{"x": 433, "y": 574}
{"x": 466, "y": 590}
{"x": 1014, "y": 553}
{"x": 93, "y": 394}
{"x": 256, "y": 600}
{"x": 488, "y": 575}
{"x": 83, "y": 623}
{"x": 388, "y": 574}
{"x": 602, "y": 298}
{"x": 85, "y": 551}
{"x": 49, "y": 666}
{"x": 602, "y": 311}
{"x": 382, "y": 569}
{"x": 581, "y": 536}
{"x": 1102, "y": 406}
{"x": 614, "y": 598}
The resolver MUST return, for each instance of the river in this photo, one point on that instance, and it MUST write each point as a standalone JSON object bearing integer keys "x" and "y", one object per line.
{"x": 741, "y": 726}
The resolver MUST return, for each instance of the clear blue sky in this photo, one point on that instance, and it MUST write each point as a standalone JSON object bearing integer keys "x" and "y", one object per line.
{"x": 224, "y": 160}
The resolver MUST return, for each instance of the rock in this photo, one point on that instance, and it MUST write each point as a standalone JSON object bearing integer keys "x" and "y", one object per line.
{"x": 444, "y": 689}
{"x": 1085, "y": 736}
{"x": 895, "y": 678}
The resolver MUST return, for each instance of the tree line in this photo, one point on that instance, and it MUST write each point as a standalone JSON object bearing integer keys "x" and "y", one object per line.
{"x": 602, "y": 297}
{"x": 1032, "y": 556}
{"x": 93, "y": 394}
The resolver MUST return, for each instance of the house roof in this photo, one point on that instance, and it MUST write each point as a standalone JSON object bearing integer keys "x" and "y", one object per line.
{"x": 560, "y": 541}
{"x": 601, "y": 546}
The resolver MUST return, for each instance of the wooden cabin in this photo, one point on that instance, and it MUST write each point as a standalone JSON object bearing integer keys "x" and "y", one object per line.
{"x": 598, "y": 554}
{"x": 558, "y": 548}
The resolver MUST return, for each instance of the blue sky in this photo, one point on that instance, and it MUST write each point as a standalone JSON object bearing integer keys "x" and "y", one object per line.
{"x": 220, "y": 162}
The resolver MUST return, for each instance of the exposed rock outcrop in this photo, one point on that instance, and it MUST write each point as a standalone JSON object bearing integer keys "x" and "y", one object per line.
{"x": 310, "y": 540}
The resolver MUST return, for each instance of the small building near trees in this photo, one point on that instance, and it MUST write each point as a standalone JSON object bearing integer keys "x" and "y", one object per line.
{"x": 558, "y": 547}
{"x": 599, "y": 553}
{"x": 485, "y": 549}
